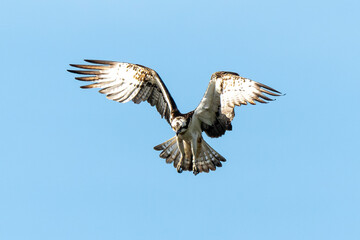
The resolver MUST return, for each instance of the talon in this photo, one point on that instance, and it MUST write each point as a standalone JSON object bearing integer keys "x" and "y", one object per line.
{"x": 179, "y": 168}
{"x": 195, "y": 171}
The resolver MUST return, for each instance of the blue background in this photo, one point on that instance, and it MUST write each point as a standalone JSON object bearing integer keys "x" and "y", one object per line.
{"x": 75, "y": 165}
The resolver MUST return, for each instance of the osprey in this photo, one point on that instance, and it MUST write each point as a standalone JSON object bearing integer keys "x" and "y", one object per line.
{"x": 187, "y": 150}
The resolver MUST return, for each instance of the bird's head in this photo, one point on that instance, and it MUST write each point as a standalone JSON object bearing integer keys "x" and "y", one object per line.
{"x": 179, "y": 125}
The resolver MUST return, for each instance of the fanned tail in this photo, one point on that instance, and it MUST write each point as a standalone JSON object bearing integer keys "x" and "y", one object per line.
{"x": 208, "y": 158}
{"x": 170, "y": 151}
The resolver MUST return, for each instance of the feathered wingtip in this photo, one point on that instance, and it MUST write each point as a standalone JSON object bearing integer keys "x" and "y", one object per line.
{"x": 84, "y": 72}
{"x": 268, "y": 90}
{"x": 100, "y": 61}
{"x": 93, "y": 72}
{"x": 103, "y": 65}
{"x": 97, "y": 67}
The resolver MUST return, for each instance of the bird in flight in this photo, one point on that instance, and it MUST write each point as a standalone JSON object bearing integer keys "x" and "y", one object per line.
{"x": 187, "y": 150}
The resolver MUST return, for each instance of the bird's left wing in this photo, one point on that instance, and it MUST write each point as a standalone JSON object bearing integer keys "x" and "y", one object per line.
{"x": 225, "y": 91}
{"x": 123, "y": 82}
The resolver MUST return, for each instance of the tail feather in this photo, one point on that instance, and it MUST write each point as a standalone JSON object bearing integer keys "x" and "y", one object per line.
{"x": 163, "y": 145}
{"x": 174, "y": 155}
{"x": 207, "y": 160}
{"x": 169, "y": 150}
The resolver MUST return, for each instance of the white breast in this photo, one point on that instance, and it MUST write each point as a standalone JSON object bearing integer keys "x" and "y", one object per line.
{"x": 193, "y": 131}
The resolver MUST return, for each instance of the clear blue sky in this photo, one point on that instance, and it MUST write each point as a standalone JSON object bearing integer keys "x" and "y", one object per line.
{"x": 74, "y": 165}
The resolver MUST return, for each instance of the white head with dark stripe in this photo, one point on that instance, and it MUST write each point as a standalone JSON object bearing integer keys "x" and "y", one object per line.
{"x": 179, "y": 124}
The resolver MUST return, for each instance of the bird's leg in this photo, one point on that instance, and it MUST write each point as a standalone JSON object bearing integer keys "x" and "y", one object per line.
{"x": 179, "y": 165}
{"x": 195, "y": 170}
{"x": 194, "y": 150}
{"x": 182, "y": 154}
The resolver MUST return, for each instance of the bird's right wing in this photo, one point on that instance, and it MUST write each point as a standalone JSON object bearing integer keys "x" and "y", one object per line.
{"x": 123, "y": 82}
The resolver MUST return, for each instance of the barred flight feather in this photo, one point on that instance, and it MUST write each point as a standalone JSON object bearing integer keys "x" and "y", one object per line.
{"x": 123, "y": 82}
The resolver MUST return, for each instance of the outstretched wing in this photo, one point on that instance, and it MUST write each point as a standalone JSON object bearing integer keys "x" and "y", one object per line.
{"x": 123, "y": 82}
{"x": 225, "y": 91}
